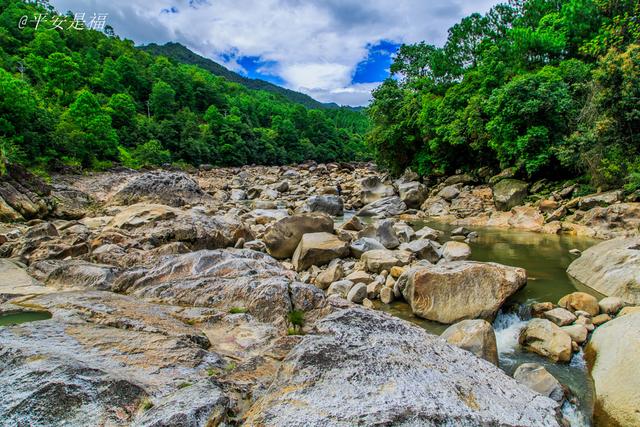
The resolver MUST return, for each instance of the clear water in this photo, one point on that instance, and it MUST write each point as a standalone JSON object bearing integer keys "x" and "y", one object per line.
{"x": 23, "y": 317}
{"x": 546, "y": 258}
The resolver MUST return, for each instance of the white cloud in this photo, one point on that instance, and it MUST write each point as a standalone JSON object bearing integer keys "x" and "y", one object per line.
{"x": 315, "y": 45}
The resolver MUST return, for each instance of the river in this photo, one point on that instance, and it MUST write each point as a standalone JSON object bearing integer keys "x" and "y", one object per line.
{"x": 546, "y": 258}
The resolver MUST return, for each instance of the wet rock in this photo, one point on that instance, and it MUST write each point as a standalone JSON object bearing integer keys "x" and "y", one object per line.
{"x": 560, "y": 316}
{"x": 318, "y": 249}
{"x": 462, "y": 289}
{"x": 611, "y": 268}
{"x": 331, "y": 205}
{"x": 580, "y": 301}
{"x": 476, "y": 336}
{"x": 509, "y": 193}
{"x": 166, "y": 188}
{"x": 538, "y": 379}
{"x": 384, "y": 208}
{"x": 546, "y": 339}
{"x": 283, "y": 237}
{"x": 612, "y": 354}
{"x": 456, "y": 251}
{"x": 447, "y": 385}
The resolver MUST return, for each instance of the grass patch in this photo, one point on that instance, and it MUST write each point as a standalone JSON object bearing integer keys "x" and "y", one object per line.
{"x": 146, "y": 404}
{"x": 184, "y": 385}
{"x": 296, "y": 319}
{"x": 237, "y": 310}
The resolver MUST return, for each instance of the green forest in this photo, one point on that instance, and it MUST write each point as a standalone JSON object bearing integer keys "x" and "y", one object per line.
{"x": 88, "y": 99}
{"x": 548, "y": 87}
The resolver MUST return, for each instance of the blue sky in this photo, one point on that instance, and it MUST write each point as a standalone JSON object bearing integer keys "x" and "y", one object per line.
{"x": 334, "y": 50}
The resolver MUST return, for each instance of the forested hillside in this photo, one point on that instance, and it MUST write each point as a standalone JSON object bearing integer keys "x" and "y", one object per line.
{"x": 81, "y": 97}
{"x": 183, "y": 55}
{"x": 549, "y": 87}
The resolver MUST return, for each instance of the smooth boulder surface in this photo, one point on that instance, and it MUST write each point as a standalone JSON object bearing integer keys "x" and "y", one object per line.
{"x": 537, "y": 378}
{"x": 361, "y": 367}
{"x": 16, "y": 281}
{"x": 167, "y": 188}
{"x": 580, "y": 301}
{"x": 613, "y": 354}
{"x": 384, "y": 208}
{"x": 283, "y": 237}
{"x": 509, "y": 193}
{"x": 373, "y": 190}
{"x": 611, "y": 268}
{"x": 476, "y": 336}
{"x": 459, "y": 290}
{"x": 331, "y": 205}
{"x": 220, "y": 279}
{"x": 547, "y": 339}
{"x": 318, "y": 249}
{"x": 413, "y": 194}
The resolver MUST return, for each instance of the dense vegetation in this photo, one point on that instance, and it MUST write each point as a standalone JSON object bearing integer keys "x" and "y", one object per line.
{"x": 549, "y": 87}
{"x": 183, "y": 55}
{"x": 90, "y": 99}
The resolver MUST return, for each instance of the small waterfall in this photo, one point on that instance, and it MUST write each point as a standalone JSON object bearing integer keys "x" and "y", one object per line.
{"x": 575, "y": 417}
{"x": 507, "y": 327}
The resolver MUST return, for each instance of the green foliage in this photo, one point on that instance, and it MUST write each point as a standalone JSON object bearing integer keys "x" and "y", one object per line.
{"x": 296, "y": 319}
{"x": 237, "y": 310}
{"x": 91, "y": 99}
{"x": 146, "y": 404}
{"x": 550, "y": 88}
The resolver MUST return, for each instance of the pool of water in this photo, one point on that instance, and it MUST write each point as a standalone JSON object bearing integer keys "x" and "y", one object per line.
{"x": 546, "y": 258}
{"x": 23, "y": 317}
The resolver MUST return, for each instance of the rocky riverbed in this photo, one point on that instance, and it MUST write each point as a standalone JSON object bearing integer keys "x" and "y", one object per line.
{"x": 248, "y": 296}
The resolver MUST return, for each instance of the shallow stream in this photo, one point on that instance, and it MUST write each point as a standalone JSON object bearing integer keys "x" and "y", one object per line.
{"x": 546, "y": 258}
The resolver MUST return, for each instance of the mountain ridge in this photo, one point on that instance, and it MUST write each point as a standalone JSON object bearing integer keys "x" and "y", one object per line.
{"x": 183, "y": 54}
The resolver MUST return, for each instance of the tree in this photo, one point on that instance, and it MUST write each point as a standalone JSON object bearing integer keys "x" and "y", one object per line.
{"x": 62, "y": 73}
{"x": 163, "y": 100}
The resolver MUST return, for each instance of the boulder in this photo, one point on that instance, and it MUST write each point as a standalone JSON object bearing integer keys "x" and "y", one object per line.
{"x": 456, "y": 251}
{"x": 611, "y": 268}
{"x": 509, "y": 193}
{"x": 16, "y": 281}
{"x": 332, "y": 274}
{"x": 220, "y": 279}
{"x": 578, "y": 333}
{"x": 341, "y": 288}
{"x": 580, "y": 301}
{"x": 354, "y": 224}
{"x": 376, "y": 261}
{"x": 331, "y": 205}
{"x": 600, "y": 199}
{"x": 384, "y": 232}
{"x": 546, "y": 339}
{"x": 360, "y": 277}
{"x": 618, "y": 220}
{"x": 611, "y": 305}
{"x": 359, "y": 366}
{"x": 166, "y": 188}
{"x": 429, "y": 233}
{"x": 435, "y": 206}
{"x": 283, "y": 237}
{"x": 23, "y": 195}
{"x": 458, "y": 290}
{"x": 449, "y": 192}
{"x": 526, "y": 218}
{"x": 538, "y": 379}
{"x": 613, "y": 356}
{"x": 318, "y": 249}
{"x": 373, "y": 190}
{"x": 423, "y": 249}
{"x": 476, "y": 336}
{"x": 74, "y": 274}
{"x": 364, "y": 244}
{"x": 384, "y": 208}
{"x": 413, "y": 194}
{"x": 560, "y": 316}
{"x": 357, "y": 293}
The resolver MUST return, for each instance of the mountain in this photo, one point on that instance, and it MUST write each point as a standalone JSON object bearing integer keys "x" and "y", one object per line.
{"x": 181, "y": 53}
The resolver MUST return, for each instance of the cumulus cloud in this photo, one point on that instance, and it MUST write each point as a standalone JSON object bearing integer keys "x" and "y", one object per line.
{"x": 313, "y": 46}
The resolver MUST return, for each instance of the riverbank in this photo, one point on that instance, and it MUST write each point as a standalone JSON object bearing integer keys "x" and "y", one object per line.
{"x": 227, "y": 280}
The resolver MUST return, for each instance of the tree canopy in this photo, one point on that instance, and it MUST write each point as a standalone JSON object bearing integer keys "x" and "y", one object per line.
{"x": 549, "y": 87}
